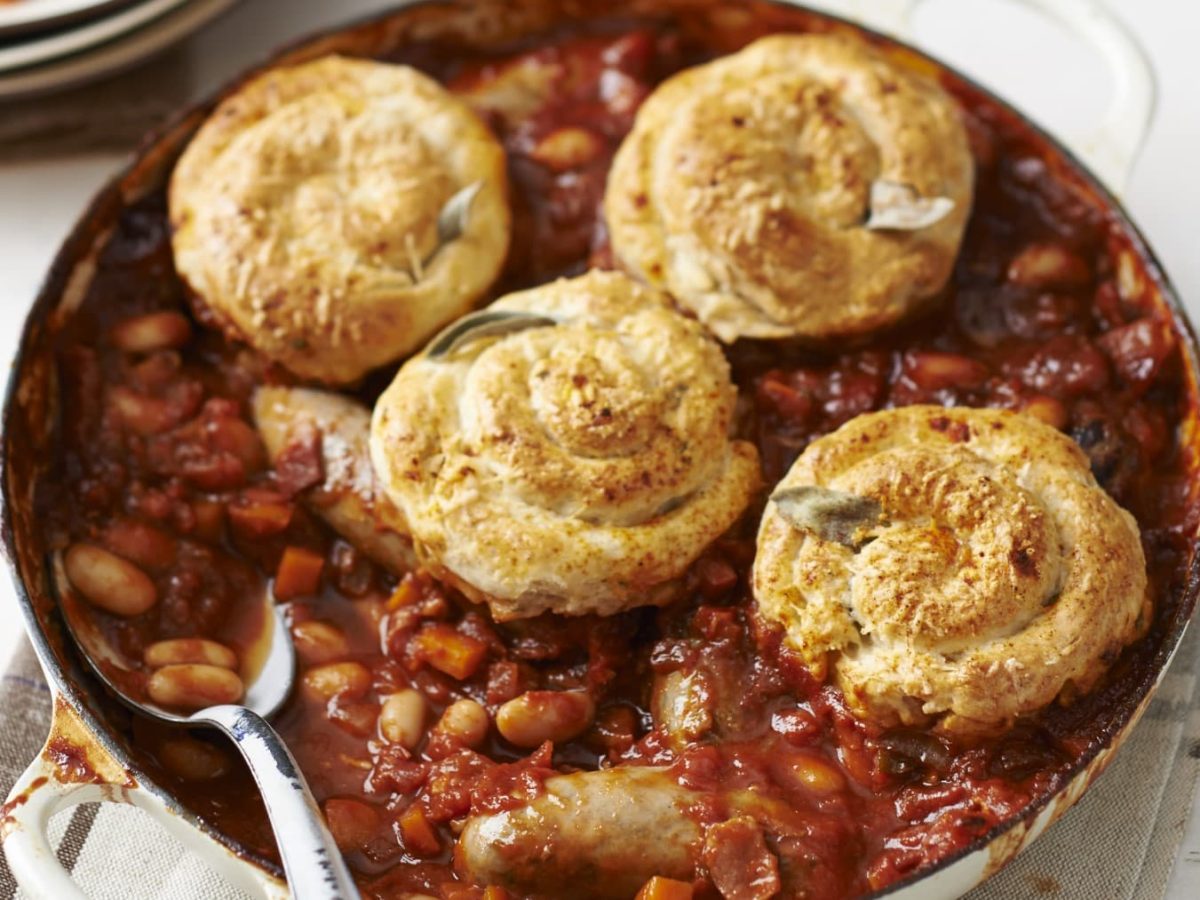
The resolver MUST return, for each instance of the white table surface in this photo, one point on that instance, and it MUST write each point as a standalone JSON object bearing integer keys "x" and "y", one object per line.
{"x": 1039, "y": 66}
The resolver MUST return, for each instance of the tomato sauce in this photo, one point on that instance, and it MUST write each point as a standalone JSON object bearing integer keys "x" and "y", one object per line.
{"x": 160, "y": 458}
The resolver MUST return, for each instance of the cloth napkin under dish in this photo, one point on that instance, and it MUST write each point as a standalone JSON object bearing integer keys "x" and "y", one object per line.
{"x": 1118, "y": 843}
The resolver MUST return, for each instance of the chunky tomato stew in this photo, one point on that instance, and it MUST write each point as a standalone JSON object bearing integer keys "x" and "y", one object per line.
{"x": 414, "y": 709}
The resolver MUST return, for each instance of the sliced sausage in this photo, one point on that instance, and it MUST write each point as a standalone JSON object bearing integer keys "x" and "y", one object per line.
{"x": 348, "y": 497}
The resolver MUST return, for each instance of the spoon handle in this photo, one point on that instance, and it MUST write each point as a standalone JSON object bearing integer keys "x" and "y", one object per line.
{"x": 314, "y": 866}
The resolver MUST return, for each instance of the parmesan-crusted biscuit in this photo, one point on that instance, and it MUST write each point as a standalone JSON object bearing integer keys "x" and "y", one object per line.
{"x": 334, "y": 215}
{"x": 572, "y": 453}
{"x": 802, "y": 187}
{"x": 954, "y": 563}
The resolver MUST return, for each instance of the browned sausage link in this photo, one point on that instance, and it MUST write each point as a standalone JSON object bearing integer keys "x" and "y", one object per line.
{"x": 346, "y": 679}
{"x": 348, "y": 499}
{"x": 589, "y": 835}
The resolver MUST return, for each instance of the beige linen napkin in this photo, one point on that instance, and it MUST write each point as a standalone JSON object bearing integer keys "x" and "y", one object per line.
{"x": 113, "y": 851}
{"x": 1118, "y": 843}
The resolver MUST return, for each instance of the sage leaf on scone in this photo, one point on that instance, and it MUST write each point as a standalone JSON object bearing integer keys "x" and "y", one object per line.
{"x": 486, "y": 323}
{"x": 452, "y": 220}
{"x": 897, "y": 207}
{"x": 534, "y": 469}
{"x": 340, "y": 275}
{"x": 766, "y": 231}
{"x": 830, "y": 515}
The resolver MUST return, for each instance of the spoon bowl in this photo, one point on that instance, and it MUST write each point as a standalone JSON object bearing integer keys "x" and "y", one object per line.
{"x": 314, "y": 866}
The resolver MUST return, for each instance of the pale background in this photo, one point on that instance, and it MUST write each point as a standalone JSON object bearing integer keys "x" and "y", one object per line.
{"x": 1039, "y": 66}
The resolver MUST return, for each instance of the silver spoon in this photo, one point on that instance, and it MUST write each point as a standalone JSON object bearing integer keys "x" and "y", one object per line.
{"x": 314, "y": 866}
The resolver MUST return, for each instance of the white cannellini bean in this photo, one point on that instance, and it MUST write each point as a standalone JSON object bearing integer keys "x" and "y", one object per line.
{"x": 319, "y": 642}
{"x": 152, "y": 331}
{"x": 538, "y": 716}
{"x": 182, "y": 651}
{"x": 114, "y": 584}
{"x": 191, "y": 686}
{"x": 350, "y": 679}
{"x": 1046, "y": 266}
{"x": 466, "y": 721}
{"x": 567, "y": 148}
{"x": 402, "y": 718}
{"x": 192, "y": 760}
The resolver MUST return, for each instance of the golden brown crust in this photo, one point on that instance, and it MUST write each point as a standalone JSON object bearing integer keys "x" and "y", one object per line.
{"x": 745, "y": 183}
{"x": 306, "y": 214}
{"x": 577, "y": 467}
{"x": 994, "y": 574}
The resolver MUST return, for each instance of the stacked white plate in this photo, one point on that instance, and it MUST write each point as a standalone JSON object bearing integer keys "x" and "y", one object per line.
{"x": 51, "y": 44}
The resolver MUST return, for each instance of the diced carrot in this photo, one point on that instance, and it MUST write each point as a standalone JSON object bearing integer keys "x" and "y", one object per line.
{"x": 419, "y": 836}
{"x": 299, "y": 573}
{"x": 406, "y": 594}
{"x": 659, "y": 888}
{"x": 495, "y": 892}
{"x": 260, "y": 517}
{"x": 449, "y": 651}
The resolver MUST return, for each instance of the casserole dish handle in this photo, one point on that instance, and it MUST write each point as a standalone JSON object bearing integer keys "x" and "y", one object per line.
{"x": 1111, "y": 148}
{"x": 74, "y": 768}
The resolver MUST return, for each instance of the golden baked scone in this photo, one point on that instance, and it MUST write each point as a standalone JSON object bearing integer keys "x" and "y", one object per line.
{"x": 336, "y": 214}
{"x": 569, "y": 451}
{"x": 802, "y": 187}
{"x": 961, "y": 564}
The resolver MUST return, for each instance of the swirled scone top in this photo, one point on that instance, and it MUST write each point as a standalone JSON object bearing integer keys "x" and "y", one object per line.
{"x": 804, "y": 186}
{"x": 335, "y": 214}
{"x": 574, "y": 467}
{"x": 988, "y": 573}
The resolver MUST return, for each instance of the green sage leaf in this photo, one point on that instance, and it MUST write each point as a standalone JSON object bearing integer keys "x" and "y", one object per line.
{"x": 830, "y": 515}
